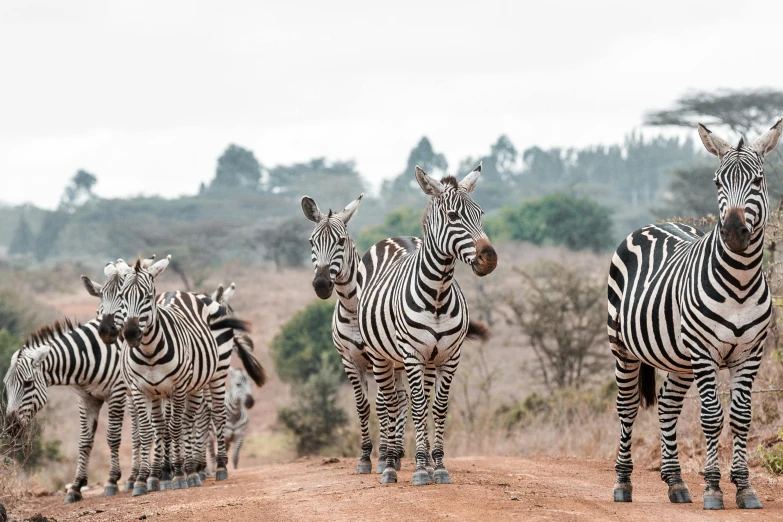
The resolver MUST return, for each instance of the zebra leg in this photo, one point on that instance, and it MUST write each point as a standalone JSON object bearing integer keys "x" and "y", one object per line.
{"x": 402, "y": 417}
{"x": 670, "y": 402}
{"x": 157, "y": 411}
{"x": 429, "y": 382}
{"x": 163, "y": 455}
{"x": 217, "y": 394}
{"x": 383, "y": 423}
{"x": 626, "y": 374}
{"x": 440, "y": 409}
{"x": 192, "y": 438}
{"x": 237, "y": 445}
{"x": 384, "y": 376}
{"x": 89, "y": 408}
{"x": 706, "y": 372}
{"x": 358, "y": 378}
{"x": 414, "y": 368}
{"x": 742, "y": 377}
{"x": 114, "y": 436}
{"x": 178, "y": 400}
{"x": 135, "y": 442}
{"x": 203, "y": 428}
{"x": 145, "y": 440}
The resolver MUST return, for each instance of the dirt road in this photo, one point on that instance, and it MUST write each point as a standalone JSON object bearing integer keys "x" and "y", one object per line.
{"x": 485, "y": 488}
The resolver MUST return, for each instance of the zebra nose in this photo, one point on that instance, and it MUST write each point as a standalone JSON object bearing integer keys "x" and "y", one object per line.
{"x": 734, "y": 232}
{"x": 486, "y": 258}
{"x": 107, "y": 330}
{"x": 132, "y": 332}
{"x": 322, "y": 283}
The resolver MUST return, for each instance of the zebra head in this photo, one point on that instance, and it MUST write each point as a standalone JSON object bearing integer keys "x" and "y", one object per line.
{"x": 109, "y": 295}
{"x": 137, "y": 300}
{"x": 452, "y": 221}
{"x": 25, "y": 386}
{"x": 328, "y": 243}
{"x": 742, "y": 187}
{"x": 240, "y": 389}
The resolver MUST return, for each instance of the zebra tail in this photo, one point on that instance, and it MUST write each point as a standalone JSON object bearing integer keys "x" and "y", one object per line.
{"x": 478, "y": 331}
{"x": 230, "y": 322}
{"x": 647, "y": 385}
{"x": 243, "y": 346}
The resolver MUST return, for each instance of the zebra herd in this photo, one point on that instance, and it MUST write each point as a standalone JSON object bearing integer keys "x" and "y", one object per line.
{"x": 169, "y": 369}
{"x": 679, "y": 300}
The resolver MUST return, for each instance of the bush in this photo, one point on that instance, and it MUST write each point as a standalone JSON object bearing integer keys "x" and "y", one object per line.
{"x": 772, "y": 457}
{"x": 558, "y": 219}
{"x": 403, "y": 221}
{"x": 315, "y": 417}
{"x": 305, "y": 342}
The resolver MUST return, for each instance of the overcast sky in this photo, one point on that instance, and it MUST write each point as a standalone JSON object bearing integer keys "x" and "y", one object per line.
{"x": 146, "y": 95}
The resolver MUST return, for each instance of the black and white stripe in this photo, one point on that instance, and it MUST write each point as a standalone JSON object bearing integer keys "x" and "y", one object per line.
{"x": 412, "y": 313}
{"x": 689, "y": 304}
{"x": 71, "y": 355}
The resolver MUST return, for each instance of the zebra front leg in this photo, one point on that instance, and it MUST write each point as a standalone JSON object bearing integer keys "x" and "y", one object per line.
{"x": 414, "y": 368}
{"x": 175, "y": 424}
{"x": 383, "y": 424}
{"x": 89, "y": 408}
{"x": 670, "y": 402}
{"x": 135, "y": 443}
{"x": 145, "y": 430}
{"x": 192, "y": 438}
{"x": 163, "y": 454}
{"x": 742, "y": 378}
{"x": 402, "y": 417}
{"x": 429, "y": 382}
{"x": 158, "y": 416}
{"x": 217, "y": 395}
{"x": 440, "y": 409}
{"x": 626, "y": 373}
{"x": 706, "y": 372}
{"x": 237, "y": 446}
{"x": 384, "y": 376}
{"x": 357, "y": 375}
{"x": 114, "y": 437}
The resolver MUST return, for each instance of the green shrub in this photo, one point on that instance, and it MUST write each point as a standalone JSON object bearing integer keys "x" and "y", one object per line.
{"x": 772, "y": 457}
{"x": 303, "y": 342}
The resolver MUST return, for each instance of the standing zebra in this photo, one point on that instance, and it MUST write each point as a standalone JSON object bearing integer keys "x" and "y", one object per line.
{"x": 239, "y": 399}
{"x": 691, "y": 303}
{"x": 412, "y": 312}
{"x": 70, "y": 355}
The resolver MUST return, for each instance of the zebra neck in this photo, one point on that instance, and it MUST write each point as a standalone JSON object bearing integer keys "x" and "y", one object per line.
{"x": 739, "y": 270}
{"x": 345, "y": 283}
{"x": 434, "y": 271}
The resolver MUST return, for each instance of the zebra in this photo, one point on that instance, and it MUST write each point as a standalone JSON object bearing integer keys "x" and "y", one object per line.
{"x": 239, "y": 399}
{"x": 691, "y": 303}
{"x": 412, "y": 312}
{"x": 68, "y": 354}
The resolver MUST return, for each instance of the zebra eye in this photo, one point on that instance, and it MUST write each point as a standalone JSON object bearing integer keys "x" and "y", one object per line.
{"x": 756, "y": 181}
{"x": 718, "y": 183}
{"x": 341, "y": 241}
{"x": 453, "y": 216}
{"x": 311, "y": 242}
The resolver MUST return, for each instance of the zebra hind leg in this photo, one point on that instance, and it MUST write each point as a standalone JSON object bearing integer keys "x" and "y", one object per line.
{"x": 380, "y": 409}
{"x": 89, "y": 408}
{"x": 629, "y": 386}
{"x": 670, "y": 403}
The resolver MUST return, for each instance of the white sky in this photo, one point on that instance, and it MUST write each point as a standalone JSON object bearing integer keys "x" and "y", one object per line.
{"x": 146, "y": 95}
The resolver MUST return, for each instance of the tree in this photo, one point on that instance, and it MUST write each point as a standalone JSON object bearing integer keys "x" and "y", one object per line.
{"x": 53, "y": 224}
{"x": 557, "y": 219}
{"x": 78, "y": 191}
{"x": 23, "y": 241}
{"x": 403, "y": 188}
{"x": 745, "y": 112}
{"x": 304, "y": 344}
{"x": 403, "y": 221}
{"x": 285, "y": 244}
{"x": 559, "y": 312}
{"x": 330, "y": 181}
{"x": 237, "y": 168}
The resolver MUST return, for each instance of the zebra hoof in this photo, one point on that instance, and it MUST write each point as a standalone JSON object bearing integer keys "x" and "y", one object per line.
{"x": 421, "y": 478}
{"x": 140, "y": 488}
{"x": 679, "y": 494}
{"x": 713, "y": 499}
{"x": 72, "y": 496}
{"x": 389, "y": 476}
{"x": 221, "y": 474}
{"x": 129, "y": 485}
{"x": 153, "y": 484}
{"x": 442, "y": 476}
{"x": 747, "y": 499}
{"x": 179, "y": 483}
{"x": 110, "y": 490}
{"x": 194, "y": 481}
{"x": 166, "y": 485}
{"x": 364, "y": 467}
{"x": 202, "y": 476}
{"x": 623, "y": 492}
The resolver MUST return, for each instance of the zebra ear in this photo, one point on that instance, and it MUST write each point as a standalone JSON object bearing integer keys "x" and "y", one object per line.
{"x": 469, "y": 182}
{"x": 764, "y": 144}
{"x": 146, "y": 263}
{"x": 431, "y": 187}
{"x": 311, "y": 210}
{"x": 158, "y": 268}
{"x": 38, "y": 354}
{"x": 229, "y": 293}
{"x": 347, "y": 213}
{"x": 217, "y": 295}
{"x": 93, "y": 288}
{"x": 713, "y": 144}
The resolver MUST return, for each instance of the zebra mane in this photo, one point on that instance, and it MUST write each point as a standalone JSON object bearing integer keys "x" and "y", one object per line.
{"x": 450, "y": 180}
{"x": 741, "y": 143}
{"x": 137, "y": 265}
{"x": 48, "y": 333}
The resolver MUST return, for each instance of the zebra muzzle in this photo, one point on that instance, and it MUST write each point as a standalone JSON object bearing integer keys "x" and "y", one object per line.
{"x": 322, "y": 283}
{"x": 107, "y": 330}
{"x": 734, "y": 231}
{"x": 486, "y": 258}
{"x": 132, "y": 333}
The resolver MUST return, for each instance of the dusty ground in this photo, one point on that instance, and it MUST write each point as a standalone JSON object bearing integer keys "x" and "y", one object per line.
{"x": 485, "y": 488}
